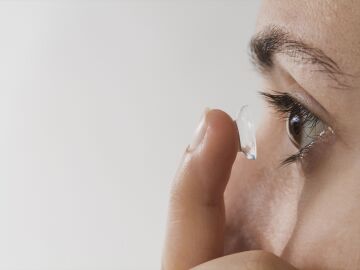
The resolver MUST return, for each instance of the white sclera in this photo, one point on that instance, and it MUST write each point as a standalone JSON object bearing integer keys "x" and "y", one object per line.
{"x": 247, "y": 134}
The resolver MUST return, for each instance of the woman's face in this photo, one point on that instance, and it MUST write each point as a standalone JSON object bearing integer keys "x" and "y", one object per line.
{"x": 306, "y": 211}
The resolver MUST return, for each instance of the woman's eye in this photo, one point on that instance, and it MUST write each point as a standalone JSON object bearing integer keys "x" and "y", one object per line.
{"x": 303, "y": 127}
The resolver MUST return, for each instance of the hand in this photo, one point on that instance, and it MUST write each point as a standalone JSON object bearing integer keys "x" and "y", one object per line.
{"x": 196, "y": 222}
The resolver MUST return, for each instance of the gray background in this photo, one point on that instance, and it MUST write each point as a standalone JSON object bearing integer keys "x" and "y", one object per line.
{"x": 98, "y": 101}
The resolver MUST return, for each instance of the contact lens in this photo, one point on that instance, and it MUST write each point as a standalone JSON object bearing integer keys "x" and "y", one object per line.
{"x": 247, "y": 134}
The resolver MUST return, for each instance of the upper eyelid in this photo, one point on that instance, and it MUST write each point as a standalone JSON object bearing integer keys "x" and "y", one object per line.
{"x": 283, "y": 101}
{"x": 309, "y": 116}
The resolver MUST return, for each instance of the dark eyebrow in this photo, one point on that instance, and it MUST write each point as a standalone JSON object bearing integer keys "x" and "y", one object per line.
{"x": 274, "y": 40}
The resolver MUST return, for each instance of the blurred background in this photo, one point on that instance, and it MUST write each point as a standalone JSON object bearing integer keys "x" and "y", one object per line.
{"x": 98, "y": 101}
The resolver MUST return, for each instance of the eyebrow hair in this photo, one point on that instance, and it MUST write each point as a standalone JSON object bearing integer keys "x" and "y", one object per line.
{"x": 274, "y": 40}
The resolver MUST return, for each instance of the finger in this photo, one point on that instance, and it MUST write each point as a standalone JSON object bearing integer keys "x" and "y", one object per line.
{"x": 254, "y": 260}
{"x": 195, "y": 232}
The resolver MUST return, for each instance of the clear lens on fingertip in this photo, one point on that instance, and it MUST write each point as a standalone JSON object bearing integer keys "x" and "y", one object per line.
{"x": 247, "y": 132}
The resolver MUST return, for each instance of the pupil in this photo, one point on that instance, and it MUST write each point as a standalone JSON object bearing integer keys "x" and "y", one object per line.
{"x": 295, "y": 125}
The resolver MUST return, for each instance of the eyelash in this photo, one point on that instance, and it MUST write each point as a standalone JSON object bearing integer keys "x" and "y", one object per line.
{"x": 285, "y": 104}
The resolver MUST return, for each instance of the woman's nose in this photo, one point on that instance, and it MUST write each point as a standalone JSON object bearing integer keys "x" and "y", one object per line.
{"x": 261, "y": 197}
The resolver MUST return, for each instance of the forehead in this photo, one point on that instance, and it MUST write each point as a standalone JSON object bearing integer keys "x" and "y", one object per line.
{"x": 331, "y": 25}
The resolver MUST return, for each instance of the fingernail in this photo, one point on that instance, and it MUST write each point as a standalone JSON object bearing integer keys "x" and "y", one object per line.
{"x": 200, "y": 132}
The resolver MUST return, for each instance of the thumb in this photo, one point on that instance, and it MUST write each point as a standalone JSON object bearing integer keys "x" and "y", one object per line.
{"x": 195, "y": 232}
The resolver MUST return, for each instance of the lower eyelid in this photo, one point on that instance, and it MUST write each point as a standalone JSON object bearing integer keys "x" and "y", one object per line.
{"x": 313, "y": 130}
{"x": 318, "y": 149}
{"x": 311, "y": 149}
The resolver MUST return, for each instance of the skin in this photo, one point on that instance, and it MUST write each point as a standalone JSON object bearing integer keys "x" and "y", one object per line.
{"x": 304, "y": 215}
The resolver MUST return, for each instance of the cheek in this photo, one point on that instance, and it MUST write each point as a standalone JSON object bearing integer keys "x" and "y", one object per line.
{"x": 262, "y": 198}
{"x": 327, "y": 235}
